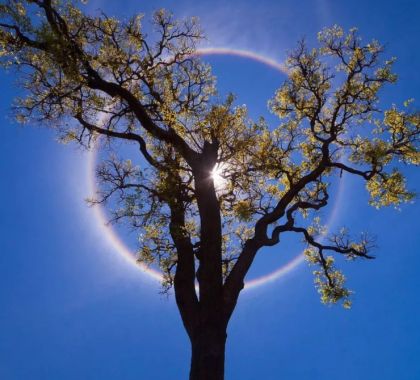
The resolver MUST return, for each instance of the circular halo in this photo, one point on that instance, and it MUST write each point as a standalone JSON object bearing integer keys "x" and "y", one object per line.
{"x": 116, "y": 242}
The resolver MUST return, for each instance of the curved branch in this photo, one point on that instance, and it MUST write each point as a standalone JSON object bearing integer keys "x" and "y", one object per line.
{"x": 346, "y": 250}
{"x": 121, "y": 135}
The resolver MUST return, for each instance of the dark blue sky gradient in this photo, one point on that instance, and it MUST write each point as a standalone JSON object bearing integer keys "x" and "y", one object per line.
{"x": 72, "y": 308}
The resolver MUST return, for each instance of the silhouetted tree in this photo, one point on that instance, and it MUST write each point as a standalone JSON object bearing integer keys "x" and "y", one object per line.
{"x": 88, "y": 76}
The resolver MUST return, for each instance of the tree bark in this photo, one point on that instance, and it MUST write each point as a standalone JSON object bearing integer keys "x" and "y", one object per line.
{"x": 208, "y": 354}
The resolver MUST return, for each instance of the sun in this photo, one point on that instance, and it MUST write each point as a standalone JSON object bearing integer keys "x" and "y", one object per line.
{"x": 217, "y": 174}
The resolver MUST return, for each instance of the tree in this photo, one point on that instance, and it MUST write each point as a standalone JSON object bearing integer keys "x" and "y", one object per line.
{"x": 90, "y": 76}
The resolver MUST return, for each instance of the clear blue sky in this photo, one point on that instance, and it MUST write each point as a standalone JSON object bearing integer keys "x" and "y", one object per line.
{"x": 71, "y": 308}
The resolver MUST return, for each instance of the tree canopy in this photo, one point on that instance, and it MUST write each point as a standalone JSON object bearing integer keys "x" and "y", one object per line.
{"x": 93, "y": 75}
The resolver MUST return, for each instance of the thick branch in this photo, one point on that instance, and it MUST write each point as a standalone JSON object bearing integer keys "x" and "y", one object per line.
{"x": 209, "y": 273}
{"x": 365, "y": 174}
{"x": 184, "y": 281}
{"x": 169, "y": 136}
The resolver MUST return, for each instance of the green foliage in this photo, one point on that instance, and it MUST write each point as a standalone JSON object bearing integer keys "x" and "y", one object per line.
{"x": 329, "y": 281}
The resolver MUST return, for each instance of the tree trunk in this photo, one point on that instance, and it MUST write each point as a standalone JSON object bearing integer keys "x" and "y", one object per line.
{"x": 208, "y": 354}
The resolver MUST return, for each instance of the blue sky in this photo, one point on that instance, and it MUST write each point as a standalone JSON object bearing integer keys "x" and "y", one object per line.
{"x": 72, "y": 308}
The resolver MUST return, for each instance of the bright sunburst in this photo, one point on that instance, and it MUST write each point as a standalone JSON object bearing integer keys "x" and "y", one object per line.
{"x": 218, "y": 177}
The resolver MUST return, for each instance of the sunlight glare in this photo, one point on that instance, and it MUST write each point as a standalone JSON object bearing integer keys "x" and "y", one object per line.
{"x": 217, "y": 176}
